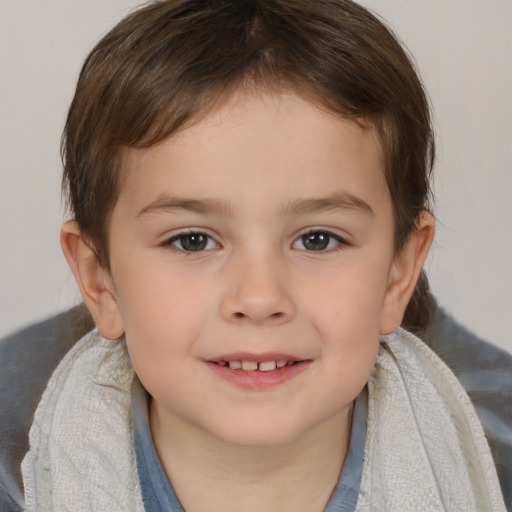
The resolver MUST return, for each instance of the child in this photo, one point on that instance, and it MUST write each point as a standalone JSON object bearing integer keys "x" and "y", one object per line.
{"x": 249, "y": 183}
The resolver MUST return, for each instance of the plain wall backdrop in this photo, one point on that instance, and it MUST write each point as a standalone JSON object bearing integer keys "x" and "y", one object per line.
{"x": 463, "y": 49}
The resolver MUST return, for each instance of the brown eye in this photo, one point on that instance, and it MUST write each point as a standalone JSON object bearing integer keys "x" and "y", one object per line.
{"x": 318, "y": 241}
{"x": 192, "y": 242}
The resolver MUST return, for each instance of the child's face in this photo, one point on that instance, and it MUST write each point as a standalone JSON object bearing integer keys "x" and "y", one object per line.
{"x": 264, "y": 234}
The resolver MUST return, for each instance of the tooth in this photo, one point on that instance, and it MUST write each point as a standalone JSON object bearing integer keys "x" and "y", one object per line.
{"x": 235, "y": 365}
{"x": 249, "y": 365}
{"x": 267, "y": 366}
{"x": 222, "y": 363}
{"x": 281, "y": 363}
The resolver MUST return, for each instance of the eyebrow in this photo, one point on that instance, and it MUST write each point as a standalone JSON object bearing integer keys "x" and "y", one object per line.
{"x": 337, "y": 201}
{"x": 203, "y": 206}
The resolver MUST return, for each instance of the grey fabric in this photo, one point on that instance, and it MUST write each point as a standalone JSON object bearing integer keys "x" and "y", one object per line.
{"x": 29, "y": 357}
{"x": 27, "y": 360}
{"x": 485, "y": 372}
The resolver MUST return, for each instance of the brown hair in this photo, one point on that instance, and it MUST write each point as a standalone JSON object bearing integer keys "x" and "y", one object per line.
{"x": 168, "y": 63}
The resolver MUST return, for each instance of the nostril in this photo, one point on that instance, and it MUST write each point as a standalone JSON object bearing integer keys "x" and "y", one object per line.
{"x": 257, "y": 314}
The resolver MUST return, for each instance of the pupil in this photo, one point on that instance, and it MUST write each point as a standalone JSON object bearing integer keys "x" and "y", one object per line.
{"x": 194, "y": 242}
{"x": 315, "y": 241}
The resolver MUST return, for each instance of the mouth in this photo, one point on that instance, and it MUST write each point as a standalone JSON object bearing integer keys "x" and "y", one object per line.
{"x": 258, "y": 372}
{"x": 252, "y": 366}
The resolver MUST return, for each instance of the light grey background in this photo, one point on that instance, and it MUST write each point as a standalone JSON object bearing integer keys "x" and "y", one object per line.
{"x": 464, "y": 52}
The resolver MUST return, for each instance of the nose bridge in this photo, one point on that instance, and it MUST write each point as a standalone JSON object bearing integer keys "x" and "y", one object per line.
{"x": 259, "y": 291}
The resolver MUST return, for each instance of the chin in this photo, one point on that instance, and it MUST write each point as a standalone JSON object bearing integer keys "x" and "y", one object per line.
{"x": 259, "y": 440}
{"x": 260, "y": 435}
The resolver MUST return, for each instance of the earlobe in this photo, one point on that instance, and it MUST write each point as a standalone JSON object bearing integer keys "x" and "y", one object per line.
{"x": 404, "y": 273}
{"x": 94, "y": 281}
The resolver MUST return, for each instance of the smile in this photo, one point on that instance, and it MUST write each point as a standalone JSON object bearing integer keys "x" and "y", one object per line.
{"x": 258, "y": 373}
{"x": 264, "y": 366}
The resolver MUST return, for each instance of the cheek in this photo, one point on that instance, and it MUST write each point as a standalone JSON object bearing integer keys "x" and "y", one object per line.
{"x": 162, "y": 317}
{"x": 349, "y": 300}
{"x": 346, "y": 313}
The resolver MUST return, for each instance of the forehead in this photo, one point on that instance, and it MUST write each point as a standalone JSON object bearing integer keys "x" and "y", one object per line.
{"x": 278, "y": 146}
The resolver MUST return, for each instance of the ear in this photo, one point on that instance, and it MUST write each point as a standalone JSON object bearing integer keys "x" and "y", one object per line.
{"x": 94, "y": 280}
{"x": 404, "y": 273}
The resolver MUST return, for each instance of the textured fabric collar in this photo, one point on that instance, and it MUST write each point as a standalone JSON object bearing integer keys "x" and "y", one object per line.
{"x": 425, "y": 448}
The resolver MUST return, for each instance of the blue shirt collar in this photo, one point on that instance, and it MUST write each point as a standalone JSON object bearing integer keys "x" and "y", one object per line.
{"x": 158, "y": 494}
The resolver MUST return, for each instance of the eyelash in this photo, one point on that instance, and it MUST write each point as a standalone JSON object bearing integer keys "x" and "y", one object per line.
{"x": 340, "y": 242}
{"x": 180, "y": 237}
{"x": 172, "y": 242}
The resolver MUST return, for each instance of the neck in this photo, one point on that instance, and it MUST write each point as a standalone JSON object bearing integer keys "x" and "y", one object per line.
{"x": 209, "y": 474}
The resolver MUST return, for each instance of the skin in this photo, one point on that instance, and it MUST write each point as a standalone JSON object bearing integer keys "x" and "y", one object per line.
{"x": 263, "y": 171}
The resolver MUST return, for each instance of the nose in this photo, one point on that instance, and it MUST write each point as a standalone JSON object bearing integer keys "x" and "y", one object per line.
{"x": 259, "y": 293}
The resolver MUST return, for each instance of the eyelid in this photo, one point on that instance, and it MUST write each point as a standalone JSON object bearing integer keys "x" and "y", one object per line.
{"x": 168, "y": 242}
{"x": 341, "y": 240}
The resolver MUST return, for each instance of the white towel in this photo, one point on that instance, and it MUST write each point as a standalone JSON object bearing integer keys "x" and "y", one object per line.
{"x": 425, "y": 448}
{"x": 81, "y": 456}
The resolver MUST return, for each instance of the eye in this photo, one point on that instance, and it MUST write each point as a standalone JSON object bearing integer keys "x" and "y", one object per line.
{"x": 318, "y": 241}
{"x": 192, "y": 242}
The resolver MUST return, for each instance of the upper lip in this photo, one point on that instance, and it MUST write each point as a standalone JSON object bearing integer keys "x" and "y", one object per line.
{"x": 258, "y": 358}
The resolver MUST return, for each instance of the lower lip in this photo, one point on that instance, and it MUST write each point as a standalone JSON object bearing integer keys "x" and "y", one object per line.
{"x": 256, "y": 380}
